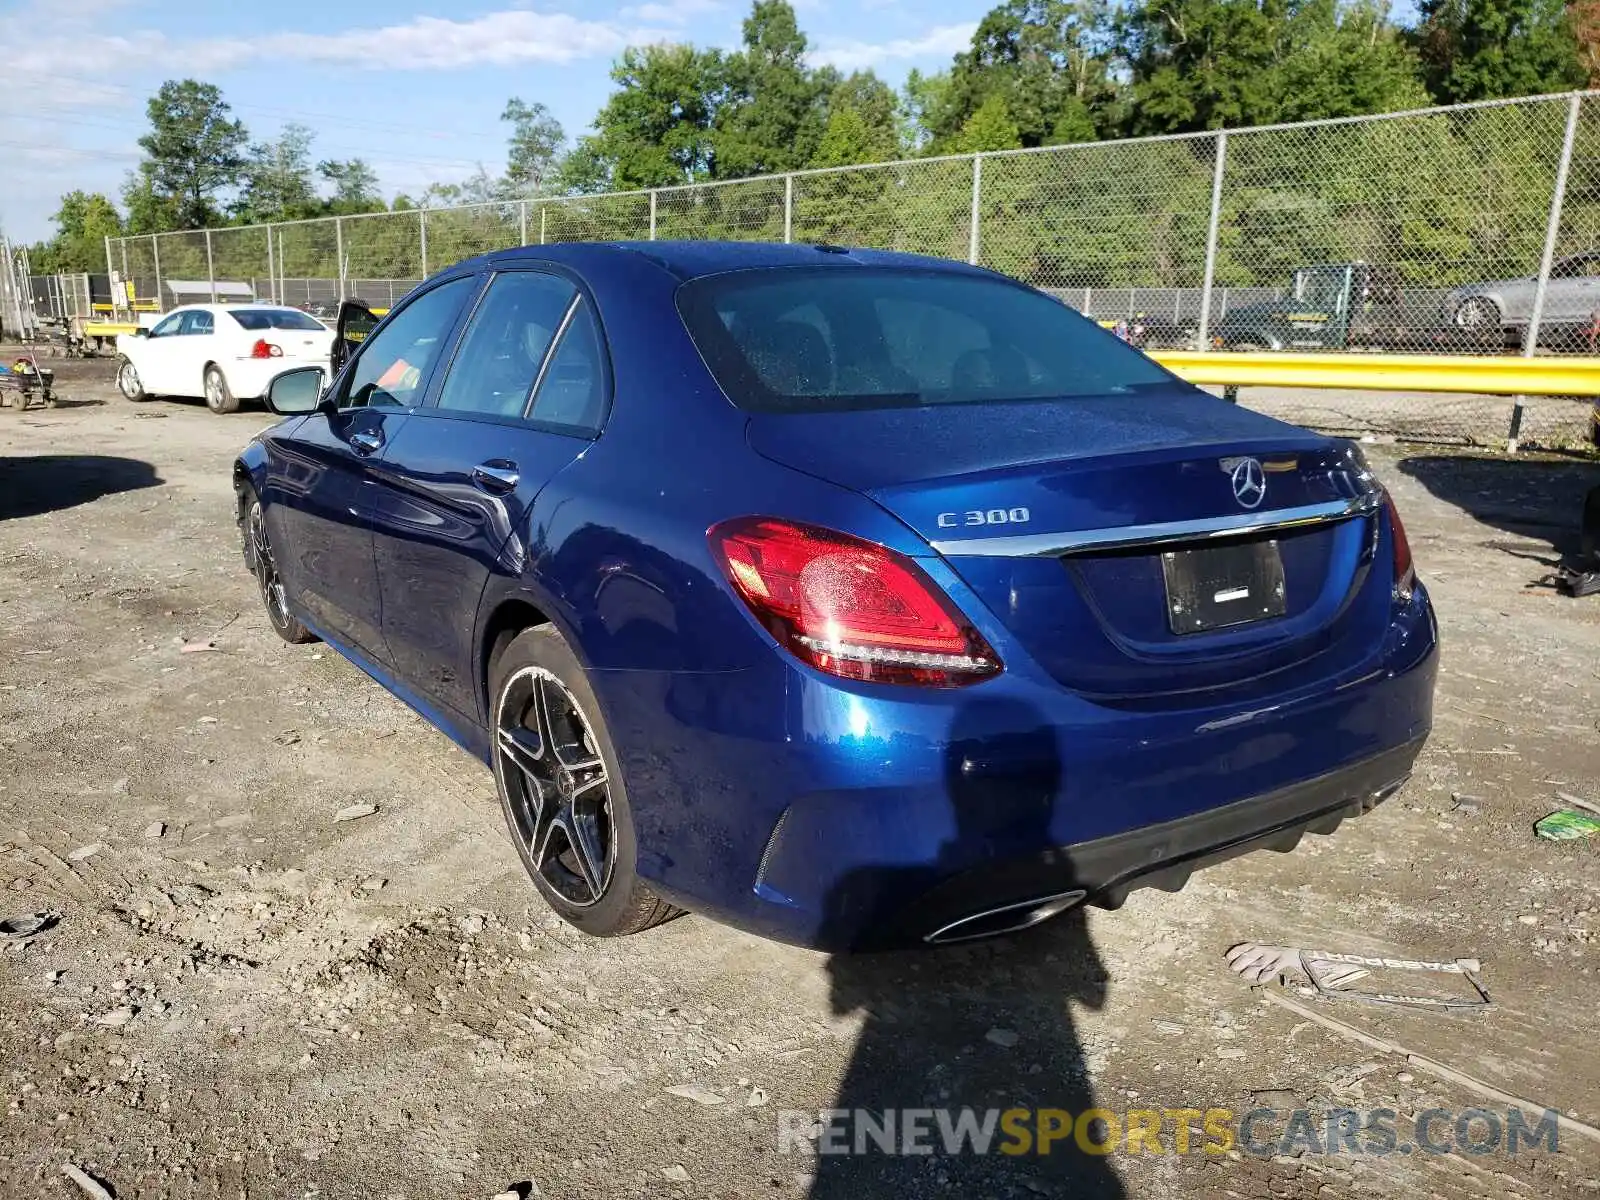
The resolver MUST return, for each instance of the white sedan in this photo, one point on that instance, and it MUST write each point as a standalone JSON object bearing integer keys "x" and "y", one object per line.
{"x": 223, "y": 353}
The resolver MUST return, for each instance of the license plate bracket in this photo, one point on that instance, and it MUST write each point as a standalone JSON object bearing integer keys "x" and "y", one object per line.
{"x": 1215, "y": 587}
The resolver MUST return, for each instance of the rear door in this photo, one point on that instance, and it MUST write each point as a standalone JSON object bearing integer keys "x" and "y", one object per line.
{"x": 524, "y": 395}
{"x": 319, "y": 484}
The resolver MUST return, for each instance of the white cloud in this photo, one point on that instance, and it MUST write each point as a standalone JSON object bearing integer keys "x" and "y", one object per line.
{"x": 938, "y": 42}
{"x": 678, "y": 13}
{"x": 503, "y": 38}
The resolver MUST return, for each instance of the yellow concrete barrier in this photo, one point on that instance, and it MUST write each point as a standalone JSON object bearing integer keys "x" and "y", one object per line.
{"x": 1491, "y": 374}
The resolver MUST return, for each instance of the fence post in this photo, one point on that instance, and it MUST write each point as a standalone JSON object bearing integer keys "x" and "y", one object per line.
{"x": 1552, "y": 230}
{"x": 543, "y": 209}
{"x": 977, "y": 190}
{"x": 422, "y": 227}
{"x": 155, "y": 257}
{"x": 522, "y": 222}
{"x": 110, "y": 271}
{"x": 652, "y": 214}
{"x": 211, "y": 269}
{"x": 1203, "y": 334}
{"x": 129, "y": 292}
{"x": 788, "y": 209}
{"x": 338, "y": 246}
{"x": 272, "y": 270}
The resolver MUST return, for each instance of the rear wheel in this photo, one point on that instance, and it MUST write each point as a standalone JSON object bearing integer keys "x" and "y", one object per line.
{"x": 219, "y": 397}
{"x": 128, "y": 382}
{"x": 1478, "y": 314}
{"x": 258, "y": 557}
{"x": 561, "y": 788}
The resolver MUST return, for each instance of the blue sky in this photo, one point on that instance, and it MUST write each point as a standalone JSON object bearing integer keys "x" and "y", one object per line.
{"x": 416, "y": 89}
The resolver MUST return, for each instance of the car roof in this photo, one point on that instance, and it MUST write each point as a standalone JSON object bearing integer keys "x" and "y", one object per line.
{"x": 693, "y": 259}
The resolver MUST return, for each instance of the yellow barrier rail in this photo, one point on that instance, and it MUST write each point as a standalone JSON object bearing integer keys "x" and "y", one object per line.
{"x": 1487, "y": 374}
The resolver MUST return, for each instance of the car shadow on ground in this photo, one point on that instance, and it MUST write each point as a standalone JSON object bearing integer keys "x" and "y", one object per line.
{"x": 45, "y": 483}
{"x": 1532, "y": 498}
{"x": 985, "y": 1026}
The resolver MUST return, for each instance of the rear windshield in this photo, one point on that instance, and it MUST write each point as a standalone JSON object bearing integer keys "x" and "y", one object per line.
{"x": 840, "y": 339}
{"x": 274, "y": 318}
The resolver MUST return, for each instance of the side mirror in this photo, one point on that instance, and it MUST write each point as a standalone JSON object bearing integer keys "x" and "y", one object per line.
{"x": 141, "y": 331}
{"x": 296, "y": 392}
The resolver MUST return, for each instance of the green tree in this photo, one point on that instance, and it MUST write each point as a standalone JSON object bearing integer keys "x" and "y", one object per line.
{"x": 1203, "y": 64}
{"x": 275, "y": 181}
{"x": 354, "y": 184}
{"x": 535, "y": 148}
{"x": 923, "y": 101}
{"x": 863, "y": 124}
{"x": 83, "y": 222}
{"x": 1051, "y": 60}
{"x": 990, "y": 128}
{"x": 193, "y": 152}
{"x": 656, "y": 129}
{"x": 772, "y": 117}
{"x": 1345, "y": 60}
{"x": 1484, "y": 49}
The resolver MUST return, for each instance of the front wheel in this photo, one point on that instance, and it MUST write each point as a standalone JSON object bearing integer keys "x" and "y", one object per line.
{"x": 561, "y": 788}
{"x": 219, "y": 397}
{"x": 258, "y": 557}
{"x": 128, "y": 382}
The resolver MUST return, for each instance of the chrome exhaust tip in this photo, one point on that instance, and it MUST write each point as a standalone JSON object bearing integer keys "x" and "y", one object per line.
{"x": 1008, "y": 918}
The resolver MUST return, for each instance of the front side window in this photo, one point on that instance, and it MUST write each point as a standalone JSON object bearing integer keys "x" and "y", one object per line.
{"x": 394, "y": 363}
{"x": 197, "y": 322}
{"x": 505, "y": 345}
{"x": 167, "y": 326}
{"x": 833, "y": 339}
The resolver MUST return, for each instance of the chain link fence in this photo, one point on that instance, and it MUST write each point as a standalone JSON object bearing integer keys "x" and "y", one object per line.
{"x": 1472, "y": 229}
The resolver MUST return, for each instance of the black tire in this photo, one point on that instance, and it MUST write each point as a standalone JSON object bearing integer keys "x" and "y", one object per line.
{"x": 128, "y": 382}
{"x": 258, "y": 558}
{"x": 219, "y": 396}
{"x": 586, "y": 800}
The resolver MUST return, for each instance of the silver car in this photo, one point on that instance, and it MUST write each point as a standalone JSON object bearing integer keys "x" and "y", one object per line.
{"x": 1572, "y": 296}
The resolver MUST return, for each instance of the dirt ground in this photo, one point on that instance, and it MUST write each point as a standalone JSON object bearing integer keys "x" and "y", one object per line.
{"x": 246, "y": 998}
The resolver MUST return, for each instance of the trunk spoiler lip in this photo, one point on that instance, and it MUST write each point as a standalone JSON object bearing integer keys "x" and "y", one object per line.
{"x": 1080, "y": 541}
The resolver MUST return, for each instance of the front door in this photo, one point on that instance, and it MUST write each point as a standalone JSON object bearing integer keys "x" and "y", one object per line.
{"x": 155, "y": 356}
{"x": 320, "y": 479}
{"x": 522, "y": 399}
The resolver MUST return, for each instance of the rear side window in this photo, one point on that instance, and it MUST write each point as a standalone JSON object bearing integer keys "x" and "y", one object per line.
{"x": 273, "y": 318}
{"x": 572, "y": 392}
{"x": 505, "y": 346}
{"x": 833, "y": 339}
{"x": 197, "y": 321}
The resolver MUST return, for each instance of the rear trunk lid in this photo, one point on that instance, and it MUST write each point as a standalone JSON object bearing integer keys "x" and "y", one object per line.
{"x": 1144, "y": 547}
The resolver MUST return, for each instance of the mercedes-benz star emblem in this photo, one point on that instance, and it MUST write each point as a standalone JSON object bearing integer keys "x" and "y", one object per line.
{"x": 1249, "y": 483}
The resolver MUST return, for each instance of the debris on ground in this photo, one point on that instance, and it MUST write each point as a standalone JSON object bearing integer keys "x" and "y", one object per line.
{"x": 155, "y": 829}
{"x": 1564, "y": 825}
{"x": 354, "y": 812}
{"x": 87, "y": 1184}
{"x": 1331, "y": 974}
{"x": 197, "y": 647}
{"x": 28, "y": 924}
{"x": 693, "y": 1091}
{"x": 116, "y": 1018}
{"x": 85, "y": 852}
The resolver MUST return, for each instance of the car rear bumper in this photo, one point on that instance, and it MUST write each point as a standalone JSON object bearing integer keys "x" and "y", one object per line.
{"x": 999, "y": 897}
{"x": 248, "y": 377}
{"x": 844, "y": 816}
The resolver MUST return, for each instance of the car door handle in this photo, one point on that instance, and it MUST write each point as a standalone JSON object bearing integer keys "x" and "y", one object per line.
{"x": 496, "y": 476}
{"x": 366, "y": 443}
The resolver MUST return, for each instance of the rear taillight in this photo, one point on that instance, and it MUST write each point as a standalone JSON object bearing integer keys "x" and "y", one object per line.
{"x": 1405, "y": 573}
{"x": 850, "y": 607}
{"x": 265, "y": 349}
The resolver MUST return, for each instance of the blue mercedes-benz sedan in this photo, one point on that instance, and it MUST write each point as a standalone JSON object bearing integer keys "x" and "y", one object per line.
{"x": 854, "y": 598}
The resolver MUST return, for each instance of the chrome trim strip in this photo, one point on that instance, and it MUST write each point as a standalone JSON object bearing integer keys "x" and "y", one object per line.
{"x": 1030, "y": 913}
{"x": 1049, "y": 545}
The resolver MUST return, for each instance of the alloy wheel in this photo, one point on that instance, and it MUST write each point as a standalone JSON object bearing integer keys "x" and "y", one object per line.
{"x": 272, "y": 590}
{"x": 556, "y": 786}
{"x": 128, "y": 379}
